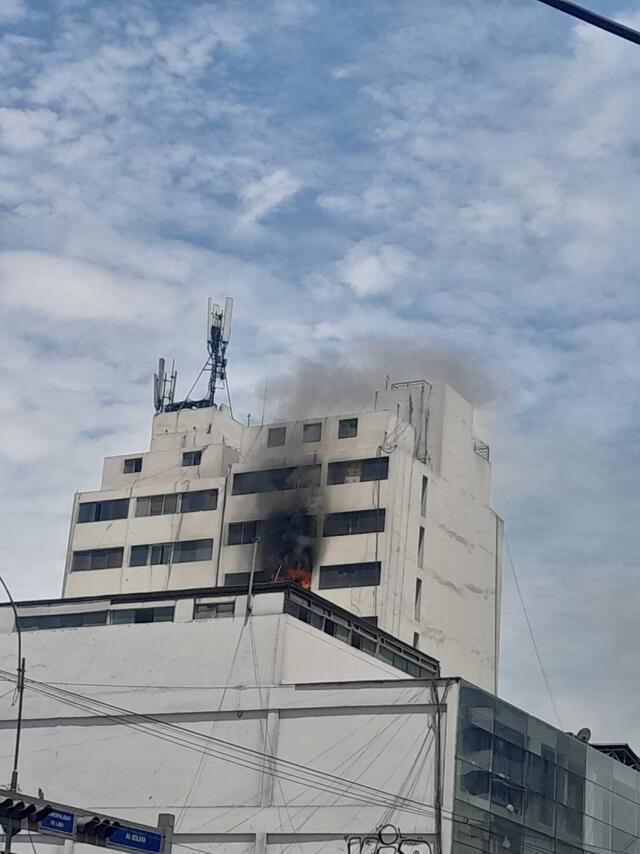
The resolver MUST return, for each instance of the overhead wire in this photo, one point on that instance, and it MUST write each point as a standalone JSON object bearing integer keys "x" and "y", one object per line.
{"x": 222, "y": 749}
{"x": 532, "y": 635}
{"x": 593, "y": 18}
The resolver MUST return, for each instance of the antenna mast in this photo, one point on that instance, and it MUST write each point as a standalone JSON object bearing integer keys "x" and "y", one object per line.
{"x": 218, "y": 333}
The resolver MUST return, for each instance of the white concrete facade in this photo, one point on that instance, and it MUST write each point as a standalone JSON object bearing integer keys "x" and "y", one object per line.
{"x": 266, "y": 683}
{"x": 431, "y": 572}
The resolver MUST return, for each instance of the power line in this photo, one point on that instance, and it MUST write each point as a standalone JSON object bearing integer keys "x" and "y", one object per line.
{"x": 532, "y": 635}
{"x": 594, "y": 19}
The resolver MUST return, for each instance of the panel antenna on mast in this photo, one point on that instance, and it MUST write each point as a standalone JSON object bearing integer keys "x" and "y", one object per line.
{"x": 218, "y": 334}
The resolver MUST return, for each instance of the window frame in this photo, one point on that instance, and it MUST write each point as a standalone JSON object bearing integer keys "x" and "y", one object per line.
{"x": 99, "y": 507}
{"x": 332, "y": 520}
{"x": 308, "y": 427}
{"x": 243, "y": 528}
{"x": 132, "y": 465}
{"x": 271, "y": 432}
{"x": 369, "y": 469}
{"x": 92, "y": 554}
{"x": 342, "y": 429}
{"x": 213, "y": 610}
{"x": 195, "y": 456}
{"x": 331, "y": 573}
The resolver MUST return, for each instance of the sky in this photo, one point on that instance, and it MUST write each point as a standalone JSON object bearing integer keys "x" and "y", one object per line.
{"x": 460, "y": 177}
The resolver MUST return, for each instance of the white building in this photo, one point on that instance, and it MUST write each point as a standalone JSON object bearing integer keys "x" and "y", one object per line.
{"x": 286, "y": 728}
{"x": 384, "y": 512}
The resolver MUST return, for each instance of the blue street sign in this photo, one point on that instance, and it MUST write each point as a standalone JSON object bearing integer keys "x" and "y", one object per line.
{"x": 136, "y": 839}
{"x": 59, "y": 821}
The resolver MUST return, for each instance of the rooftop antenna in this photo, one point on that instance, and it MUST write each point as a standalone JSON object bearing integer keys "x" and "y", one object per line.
{"x": 164, "y": 387}
{"x": 218, "y": 334}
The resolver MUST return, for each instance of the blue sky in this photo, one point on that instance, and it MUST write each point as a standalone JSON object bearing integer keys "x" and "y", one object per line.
{"x": 458, "y": 178}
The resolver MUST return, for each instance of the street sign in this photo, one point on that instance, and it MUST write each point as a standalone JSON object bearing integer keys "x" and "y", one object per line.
{"x": 24, "y": 812}
{"x": 135, "y": 839}
{"x": 59, "y": 821}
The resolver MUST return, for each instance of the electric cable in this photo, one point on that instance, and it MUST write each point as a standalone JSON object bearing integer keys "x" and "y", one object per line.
{"x": 227, "y": 751}
{"x": 378, "y": 797}
{"x": 532, "y": 635}
{"x": 594, "y": 19}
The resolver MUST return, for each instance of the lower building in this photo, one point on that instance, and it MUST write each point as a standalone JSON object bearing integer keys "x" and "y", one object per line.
{"x": 198, "y": 703}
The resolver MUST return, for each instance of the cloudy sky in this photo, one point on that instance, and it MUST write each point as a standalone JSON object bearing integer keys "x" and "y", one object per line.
{"x": 461, "y": 176}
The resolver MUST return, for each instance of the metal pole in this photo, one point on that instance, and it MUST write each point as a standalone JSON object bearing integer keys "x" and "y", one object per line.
{"x": 251, "y": 575}
{"x": 8, "y": 836}
{"x": 16, "y": 756}
{"x": 570, "y": 8}
{"x": 166, "y": 821}
{"x": 20, "y": 689}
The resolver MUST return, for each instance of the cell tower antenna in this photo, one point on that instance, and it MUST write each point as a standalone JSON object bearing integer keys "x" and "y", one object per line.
{"x": 164, "y": 387}
{"x": 218, "y": 334}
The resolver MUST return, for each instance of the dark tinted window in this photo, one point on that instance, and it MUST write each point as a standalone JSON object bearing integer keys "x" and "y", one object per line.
{"x": 191, "y": 458}
{"x": 348, "y": 428}
{"x": 276, "y": 436}
{"x": 62, "y": 621}
{"x": 100, "y": 511}
{"x": 350, "y": 575}
{"x": 97, "y": 559}
{"x": 242, "y": 532}
{"x": 156, "y": 505}
{"x": 141, "y": 615}
{"x": 201, "y": 499}
{"x": 271, "y": 480}
{"x": 354, "y": 471}
{"x": 312, "y": 432}
{"x": 353, "y": 522}
{"x": 241, "y": 579}
{"x": 132, "y": 465}
{"x": 209, "y": 610}
{"x": 190, "y": 550}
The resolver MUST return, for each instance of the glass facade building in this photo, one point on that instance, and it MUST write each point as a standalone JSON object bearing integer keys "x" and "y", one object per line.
{"x": 523, "y": 786}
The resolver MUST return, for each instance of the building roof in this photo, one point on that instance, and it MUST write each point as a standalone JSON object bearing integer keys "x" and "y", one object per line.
{"x": 622, "y": 752}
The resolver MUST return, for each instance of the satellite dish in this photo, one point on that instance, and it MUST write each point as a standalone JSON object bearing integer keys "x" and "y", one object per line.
{"x": 584, "y": 735}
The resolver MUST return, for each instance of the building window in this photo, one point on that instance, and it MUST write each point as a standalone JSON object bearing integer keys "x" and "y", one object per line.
{"x": 420, "y": 557}
{"x": 162, "y": 553}
{"x": 416, "y": 640}
{"x": 423, "y": 495}
{"x": 272, "y": 480}
{"x": 347, "y": 428}
{"x": 191, "y": 458}
{"x": 132, "y": 465}
{"x": 241, "y": 579}
{"x": 353, "y": 522}
{"x": 373, "y": 621}
{"x": 190, "y": 502}
{"x": 276, "y": 437}
{"x": 210, "y": 610}
{"x": 312, "y": 432}
{"x": 101, "y": 511}
{"x": 242, "y": 532}
{"x": 141, "y": 615}
{"x": 97, "y": 559}
{"x": 192, "y": 550}
{"x": 417, "y": 600}
{"x": 62, "y": 621}
{"x": 350, "y": 575}
{"x": 355, "y": 471}
{"x": 200, "y": 499}
{"x": 157, "y": 505}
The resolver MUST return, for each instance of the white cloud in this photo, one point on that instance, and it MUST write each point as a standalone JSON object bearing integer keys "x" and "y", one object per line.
{"x": 12, "y": 11}
{"x": 370, "y": 271}
{"x": 262, "y": 196}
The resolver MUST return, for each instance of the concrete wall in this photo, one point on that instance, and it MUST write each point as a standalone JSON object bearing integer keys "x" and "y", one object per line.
{"x": 426, "y": 431}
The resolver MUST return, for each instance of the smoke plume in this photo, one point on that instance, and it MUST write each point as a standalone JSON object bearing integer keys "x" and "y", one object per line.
{"x": 346, "y": 380}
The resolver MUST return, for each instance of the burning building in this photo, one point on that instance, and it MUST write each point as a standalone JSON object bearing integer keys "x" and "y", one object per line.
{"x": 384, "y": 512}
